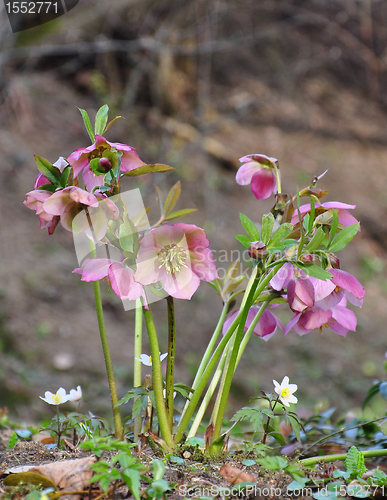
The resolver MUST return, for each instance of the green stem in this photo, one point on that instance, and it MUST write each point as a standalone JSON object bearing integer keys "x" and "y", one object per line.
{"x": 278, "y": 179}
{"x": 59, "y": 426}
{"x": 137, "y": 376}
{"x": 307, "y": 462}
{"x": 171, "y": 360}
{"x": 118, "y": 429}
{"x": 227, "y": 355}
{"x": 250, "y": 331}
{"x": 256, "y": 289}
{"x": 207, "y": 397}
{"x": 208, "y": 352}
{"x": 157, "y": 378}
{"x": 233, "y": 358}
{"x": 266, "y": 431}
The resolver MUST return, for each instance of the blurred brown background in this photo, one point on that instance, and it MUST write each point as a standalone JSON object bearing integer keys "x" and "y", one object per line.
{"x": 200, "y": 84}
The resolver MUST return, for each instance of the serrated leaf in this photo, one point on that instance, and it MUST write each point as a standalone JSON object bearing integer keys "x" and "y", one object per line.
{"x": 48, "y": 170}
{"x": 316, "y": 240}
{"x": 344, "y": 237}
{"x": 249, "y": 227}
{"x": 86, "y": 121}
{"x": 180, "y": 213}
{"x": 101, "y": 119}
{"x": 172, "y": 198}
{"x": 244, "y": 240}
{"x": 148, "y": 169}
{"x": 267, "y": 227}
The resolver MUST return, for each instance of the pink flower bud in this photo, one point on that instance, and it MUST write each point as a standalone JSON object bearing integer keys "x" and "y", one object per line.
{"x": 257, "y": 250}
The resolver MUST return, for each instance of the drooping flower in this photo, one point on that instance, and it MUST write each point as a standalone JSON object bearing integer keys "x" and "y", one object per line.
{"x": 67, "y": 203}
{"x": 35, "y": 201}
{"x": 338, "y": 318}
{"x": 76, "y": 394}
{"x": 345, "y": 218}
{"x": 285, "y": 391}
{"x": 80, "y": 160}
{"x": 258, "y": 171}
{"x": 147, "y": 360}
{"x": 58, "y": 398}
{"x": 352, "y": 288}
{"x": 300, "y": 294}
{"x": 121, "y": 277}
{"x": 178, "y": 256}
{"x": 266, "y": 326}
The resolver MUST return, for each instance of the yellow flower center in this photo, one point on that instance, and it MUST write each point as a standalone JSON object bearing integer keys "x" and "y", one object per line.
{"x": 285, "y": 393}
{"x": 173, "y": 258}
{"x": 57, "y": 398}
{"x": 150, "y": 359}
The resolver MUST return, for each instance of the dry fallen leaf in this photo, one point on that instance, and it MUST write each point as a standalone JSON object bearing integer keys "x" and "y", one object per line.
{"x": 234, "y": 475}
{"x": 68, "y": 475}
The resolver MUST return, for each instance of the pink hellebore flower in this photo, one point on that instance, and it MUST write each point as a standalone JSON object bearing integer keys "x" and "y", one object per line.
{"x": 352, "y": 288}
{"x": 35, "y": 201}
{"x": 67, "y": 203}
{"x": 178, "y": 256}
{"x": 345, "y": 218}
{"x": 300, "y": 294}
{"x": 120, "y": 276}
{"x": 80, "y": 160}
{"x": 338, "y": 318}
{"x": 266, "y": 326}
{"x": 258, "y": 170}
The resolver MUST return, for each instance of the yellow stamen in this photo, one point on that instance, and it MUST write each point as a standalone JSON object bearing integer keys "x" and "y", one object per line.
{"x": 57, "y": 398}
{"x": 150, "y": 359}
{"x": 173, "y": 258}
{"x": 285, "y": 393}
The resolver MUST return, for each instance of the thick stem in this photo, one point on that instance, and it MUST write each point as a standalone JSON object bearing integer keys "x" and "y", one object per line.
{"x": 118, "y": 429}
{"x": 171, "y": 360}
{"x": 137, "y": 376}
{"x": 157, "y": 378}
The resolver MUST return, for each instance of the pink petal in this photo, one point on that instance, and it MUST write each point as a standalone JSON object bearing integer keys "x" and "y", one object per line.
{"x": 292, "y": 323}
{"x": 92, "y": 180}
{"x": 229, "y": 321}
{"x": 94, "y": 269}
{"x": 322, "y": 288}
{"x": 345, "y": 317}
{"x": 263, "y": 184}
{"x": 282, "y": 277}
{"x": 346, "y": 218}
{"x": 246, "y": 172}
{"x": 195, "y": 236}
{"x": 81, "y": 196}
{"x": 122, "y": 281}
{"x": 336, "y": 204}
{"x": 181, "y": 285}
{"x": 57, "y": 202}
{"x": 315, "y": 318}
{"x": 40, "y": 181}
{"x": 202, "y": 264}
{"x": 79, "y": 159}
{"x": 348, "y": 282}
{"x": 300, "y": 294}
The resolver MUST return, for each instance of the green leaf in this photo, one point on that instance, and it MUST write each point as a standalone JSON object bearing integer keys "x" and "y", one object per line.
{"x": 158, "y": 469}
{"x": 195, "y": 441}
{"x": 180, "y": 213}
{"x": 111, "y": 123}
{"x": 48, "y": 187}
{"x": 267, "y": 227}
{"x": 280, "y": 234}
{"x": 13, "y": 440}
{"x": 132, "y": 479}
{"x": 371, "y": 394}
{"x": 315, "y": 271}
{"x": 65, "y": 176}
{"x": 86, "y": 121}
{"x": 128, "y": 235}
{"x": 248, "y": 462}
{"x": 217, "y": 445}
{"x": 354, "y": 462}
{"x": 28, "y": 478}
{"x": 312, "y": 213}
{"x": 249, "y": 227}
{"x": 295, "y": 426}
{"x": 334, "y": 226}
{"x": 244, "y": 240}
{"x": 48, "y": 170}
{"x": 160, "y": 487}
{"x": 318, "y": 237}
{"x": 344, "y": 237}
{"x": 101, "y": 119}
{"x": 177, "y": 460}
{"x": 148, "y": 169}
{"x": 278, "y": 437}
{"x": 172, "y": 197}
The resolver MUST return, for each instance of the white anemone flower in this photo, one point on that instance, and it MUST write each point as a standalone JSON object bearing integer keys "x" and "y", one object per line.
{"x": 56, "y": 399}
{"x": 76, "y": 394}
{"x": 285, "y": 391}
{"x": 147, "y": 360}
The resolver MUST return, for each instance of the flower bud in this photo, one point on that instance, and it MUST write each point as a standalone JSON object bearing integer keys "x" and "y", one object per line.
{"x": 308, "y": 257}
{"x": 335, "y": 262}
{"x": 257, "y": 249}
{"x": 104, "y": 165}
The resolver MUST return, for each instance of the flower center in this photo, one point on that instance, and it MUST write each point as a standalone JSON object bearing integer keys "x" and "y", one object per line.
{"x": 173, "y": 258}
{"x": 285, "y": 393}
{"x": 150, "y": 359}
{"x": 57, "y": 398}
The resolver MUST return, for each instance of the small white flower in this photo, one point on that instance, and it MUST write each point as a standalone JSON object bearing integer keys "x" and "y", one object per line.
{"x": 56, "y": 399}
{"x": 285, "y": 391}
{"x": 147, "y": 360}
{"x": 76, "y": 394}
